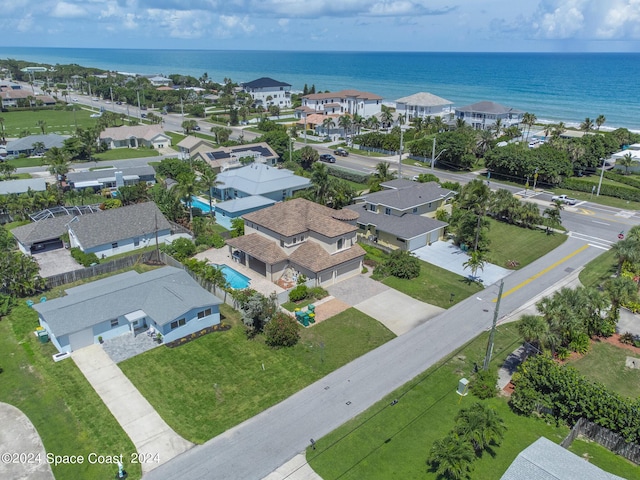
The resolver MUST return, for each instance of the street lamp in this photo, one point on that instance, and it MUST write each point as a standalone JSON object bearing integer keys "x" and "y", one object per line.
{"x": 291, "y": 141}
{"x": 434, "y": 160}
{"x": 401, "y": 147}
{"x": 600, "y": 182}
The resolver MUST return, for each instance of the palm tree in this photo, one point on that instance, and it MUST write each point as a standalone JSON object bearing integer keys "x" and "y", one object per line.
{"x": 484, "y": 141}
{"x": 553, "y": 214}
{"x": 386, "y": 117}
{"x": 587, "y": 125}
{"x": 529, "y": 119}
{"x": 188, "y": 126}
{"x": 58, "y": 161}
{"x": 327, "y": 124}
{"x": 497, "y": 127}
{"x": 451, "y": 457}
{"x": 374, "y": 123}
{"x": 626, "y": 161}
{"x": 320, "y": 183}
{"x": 627, "y": 250}
{"x": 475, "y": 262}
{"x": 534, "y": 330}
{"x": 3, "y": 139}
{"x": 186, "y": 189}
{"x": 308, "y": 156}
{"x": 208, "y": 180}
{"x": 481, "y": 425}
{"x": 383, "y": 172}
{"x": 345, "y": 123}
{"x": 620, "y": 290}
{"x": 600, "y": 121}
{"x": 38, "y": 148}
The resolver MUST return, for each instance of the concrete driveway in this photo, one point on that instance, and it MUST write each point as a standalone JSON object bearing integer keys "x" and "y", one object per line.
{"x": 398, "y": 312}
{"x": 53, "y": 262}
{"x": 446, "y": 255}
{"x": 18, "y": 437}
{"x": 146, "y": 429}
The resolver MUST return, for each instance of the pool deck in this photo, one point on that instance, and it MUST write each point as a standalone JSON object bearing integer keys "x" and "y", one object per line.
{"x": 222, "y": 256}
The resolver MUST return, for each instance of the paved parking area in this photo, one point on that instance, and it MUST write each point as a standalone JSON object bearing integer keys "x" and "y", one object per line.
{"x": 356, "y": 289}
{"x": 126, "y": 346}
{"x": 446, "y": 255}
{"x": 56, "y": 261}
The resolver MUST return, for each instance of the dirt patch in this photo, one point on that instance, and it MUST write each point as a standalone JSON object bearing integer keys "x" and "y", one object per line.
{"x": 329, "y": 309}
{"x": 615, "y": 341}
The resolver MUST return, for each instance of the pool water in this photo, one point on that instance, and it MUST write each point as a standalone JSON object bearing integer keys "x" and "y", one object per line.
{"x": 236, "y": 280}
{"x": 204, "y": 206}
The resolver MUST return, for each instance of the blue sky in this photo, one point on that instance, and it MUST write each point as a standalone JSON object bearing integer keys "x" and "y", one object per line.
{"x": 377, "y": 25}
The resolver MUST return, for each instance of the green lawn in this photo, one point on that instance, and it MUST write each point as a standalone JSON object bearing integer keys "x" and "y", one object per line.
{"x": 598, "y": 270}
{"x": 68, "y": 414}
{"x": 393, "y": 441}
{"x": 232, "y": 378}
{"x": 603, "y": 458}
{"x": 57, "y": 121}
{"x": 27, "y": 162}
{"x": 523, "y": 245}
{"x": 606, "y": 364}
{"x": 602, "y": 199}
{"x": 125, "y": 153}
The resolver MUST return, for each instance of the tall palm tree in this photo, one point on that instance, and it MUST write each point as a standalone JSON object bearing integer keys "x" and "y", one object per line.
{"x": 327, "y": 124}
{"x": 320, "y": 183}
{"x": 481, "y": 425}
{"x": 620, "y": 290}
{"x": 345, "y": 123}
{"x": 627, "y": 250}
{"x": 186, "y": 189}
{"x": 600, "y": 121}
{"x": 452, "y": 457}
{"x": 626, "y": 161}
{"x": 484, "y": 141}
{"x": 208, "y": 180}
{"x": 383, "y": 172}
{"x": 533, "y": 329}
{"x": 386, "y": 118}
{"x": 374, "y": 123}
{"x": 529, "y": 119}
{"x": 587, "y": 125}
{"x": 497, "y": 127}
{"x": 58, "y": 161}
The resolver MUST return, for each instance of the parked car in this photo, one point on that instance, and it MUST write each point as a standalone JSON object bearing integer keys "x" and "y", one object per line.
{"x": 197, "y": 128}
{"x": 564, "y": 199}
{"x": 143, "y": 115}
{"x": 327, "y": 157}
{"x": 341, "y": 152}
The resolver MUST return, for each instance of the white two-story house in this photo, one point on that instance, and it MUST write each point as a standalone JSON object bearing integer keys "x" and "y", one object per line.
{"x": 343, "y": 102}
{"x": 483, "y": 115}
{"x": 299, "y": 237}
{"x": 266, "y": 91}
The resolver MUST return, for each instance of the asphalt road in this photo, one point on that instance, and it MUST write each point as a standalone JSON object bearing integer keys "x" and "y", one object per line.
{"x": 258, "y": 446}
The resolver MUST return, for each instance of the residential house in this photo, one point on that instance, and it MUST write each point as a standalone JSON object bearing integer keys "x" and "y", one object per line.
{"x": 225, "y": 158}
{"x": 266, "y": 91}
{"x": 11, "y": 98}
{"x": 402, "y": 215}
{"x": 22, "y": 186}
{"x": 226, "y": 212}
{"x": 119, "y": 230}
{"x": 299, "y": 237}
{"x": 422, "y": 105}
{"x": 111, "y": 178}
{"x": 316, "y": 121}
{"x": 150, "y": 136}
{"x": 634, "y": 151}
{"x": 546, "y": 460}
{"x": 191, "y": 146}
{"x": 160, "y": 81}
{"x": 25, "y": 145}
{"x": 166, "y": 300}
{"x": 258, "y": 179}
{"x": 43, "y": 235}
{"x": 343, "y": 102}
{"x": 483, "y": 115}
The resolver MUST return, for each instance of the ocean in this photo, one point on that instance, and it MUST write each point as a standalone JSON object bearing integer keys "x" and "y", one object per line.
{"x": 555, "y": 87}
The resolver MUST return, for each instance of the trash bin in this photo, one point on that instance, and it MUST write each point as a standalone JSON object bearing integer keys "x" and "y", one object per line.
{"x": 311, "y": 308}
{"x": 43, "y": 336}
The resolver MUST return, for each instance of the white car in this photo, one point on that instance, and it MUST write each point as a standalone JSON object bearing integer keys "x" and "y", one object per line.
{"x": 95, "y": 115}
{"x": 564, "y": 199}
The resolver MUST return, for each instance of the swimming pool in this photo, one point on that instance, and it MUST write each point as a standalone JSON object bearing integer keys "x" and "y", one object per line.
{"x": 236, "y": 280}
{"x": 204, "y": 206}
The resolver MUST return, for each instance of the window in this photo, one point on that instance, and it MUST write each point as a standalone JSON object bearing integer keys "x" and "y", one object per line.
{"x": 114, "y": 245}
{"x": 174, "y": 325}
{"x": 114, "y": 323}
{"x": 372, "y": 207}
{"x": 204, "y": 313}
{"x": 181, "y": 322}
{"x": 136, "y": 241}
{"x": 340, "y": 243}
{"x": 387, "y": 211}
{"x": 415, "y": 209}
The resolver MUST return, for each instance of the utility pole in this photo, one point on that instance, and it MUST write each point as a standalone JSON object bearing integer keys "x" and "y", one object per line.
{"x": 400, "y": 161}
{"x": 433, "y": 152}
{"x": 600, "y": 182}
{"x": 487, "y": 357}
{"x": 139, "y": 111}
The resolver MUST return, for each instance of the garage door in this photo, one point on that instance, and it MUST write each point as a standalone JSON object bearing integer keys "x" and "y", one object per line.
{"x": 345, "y": 271}
{"x": 326, "y": 277}
{"x": 81, "y": 339}
{"x": 258, "y": 266}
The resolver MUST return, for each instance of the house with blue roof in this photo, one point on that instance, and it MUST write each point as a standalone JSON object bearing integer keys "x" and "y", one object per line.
{"x": 166, "y": 300}
{"x": 258, "y": 179}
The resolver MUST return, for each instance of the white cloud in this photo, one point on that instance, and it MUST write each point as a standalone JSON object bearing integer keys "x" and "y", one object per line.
{"x": 25, "y": 24}
{"x": 68, "y": 10}
{"x": 233, "y": 22}
{"x": 563, "y": 21}
{"x": 622, "y": 20}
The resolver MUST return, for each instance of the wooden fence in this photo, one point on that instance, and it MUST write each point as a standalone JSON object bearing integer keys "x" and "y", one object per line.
{"x": 605, "y": 437}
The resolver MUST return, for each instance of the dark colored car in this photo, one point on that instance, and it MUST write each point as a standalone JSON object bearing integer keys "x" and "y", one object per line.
{"x": 326, "y": 157}
{"x": 341, "y": 152}
{"x": 197, "y": 128}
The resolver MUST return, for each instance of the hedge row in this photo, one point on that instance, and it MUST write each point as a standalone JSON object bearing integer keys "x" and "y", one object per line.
{"x": 631, "y": 180}
{"x": 84, "y": 259}
{"x": 350, "y": 175}
{"x": 617, "y": 191}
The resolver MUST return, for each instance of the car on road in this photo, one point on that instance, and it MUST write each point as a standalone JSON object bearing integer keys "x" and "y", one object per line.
{"x": 564, "y": 199}
{"x": 143, "y": 115}
{"x": 327, "y": 157}
{"x": 118, "y": 102}
{"x": 341, "y": 152}
{"x": 197, "y": 128}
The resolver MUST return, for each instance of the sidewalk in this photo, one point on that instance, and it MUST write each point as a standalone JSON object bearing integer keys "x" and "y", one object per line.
{"x": 148, "y": 432}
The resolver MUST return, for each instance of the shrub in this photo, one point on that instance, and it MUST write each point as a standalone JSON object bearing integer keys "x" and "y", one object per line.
{"x": 350, "y": 175}
{"x": 180, "y": 249}
{"x": 298, "y": 293}
{"x": 281, "y": 331}
{"x": 627, "y": 338}
{"x": 563, "y": 353}
{"x": 580, "y": 344}
{"x": 364, "y": 270}
{"x": 317, "y": 293}
{"x": 210, "y": 240}
{"x": 402, "y": 264}
{"x": 84, "y": 259}
{"x": 485, "y": 384}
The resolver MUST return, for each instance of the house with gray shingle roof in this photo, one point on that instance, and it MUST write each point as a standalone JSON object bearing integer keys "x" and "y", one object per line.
{"x": 483, "y": 115}
{"x": 119, "y": 230}
{"x": 422, "y": 104}
{"x": 299, "y": 237}
{"x": 150, "y": 136}
{"x": 111, "y": 178}
{"x": 167, "y": 300}
{"x": 258, "y": 179}
{"x": 22, "y": 185}
{"x": 402, "y": 214}
{"x": 545, "y": 460}
{"x": 25, "y": 145}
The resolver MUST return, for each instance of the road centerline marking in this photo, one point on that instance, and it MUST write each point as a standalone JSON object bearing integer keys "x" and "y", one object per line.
{"x": 542, "y": 272}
